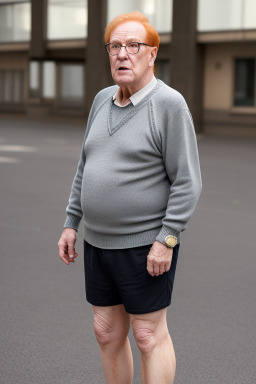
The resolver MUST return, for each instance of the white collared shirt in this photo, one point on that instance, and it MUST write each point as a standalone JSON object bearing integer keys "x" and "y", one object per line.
{"x": 136, "y": 97}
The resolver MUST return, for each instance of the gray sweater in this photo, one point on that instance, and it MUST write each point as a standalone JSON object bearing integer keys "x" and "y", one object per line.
{"x": 138, "y": 178}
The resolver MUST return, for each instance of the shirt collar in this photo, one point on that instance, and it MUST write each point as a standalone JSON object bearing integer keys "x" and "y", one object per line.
{"x": 136, "y": 97}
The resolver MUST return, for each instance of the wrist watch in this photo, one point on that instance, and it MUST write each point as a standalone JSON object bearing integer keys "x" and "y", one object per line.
{"x": 170, "y": 241}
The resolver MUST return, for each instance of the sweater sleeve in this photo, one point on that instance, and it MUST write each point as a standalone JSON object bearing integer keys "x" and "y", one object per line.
{"x": 73, "y": 209}
{"x": 181, "y": 160}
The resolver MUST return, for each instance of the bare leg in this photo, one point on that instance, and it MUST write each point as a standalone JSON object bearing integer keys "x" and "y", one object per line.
{"x": 158, "y": 362}
{"x": 111, "y": 326}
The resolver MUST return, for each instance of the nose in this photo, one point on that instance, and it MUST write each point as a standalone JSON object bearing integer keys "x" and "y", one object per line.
{"x": 122, "y": 53}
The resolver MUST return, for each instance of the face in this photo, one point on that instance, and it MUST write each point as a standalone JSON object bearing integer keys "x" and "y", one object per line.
{"x": 132, "y": 71}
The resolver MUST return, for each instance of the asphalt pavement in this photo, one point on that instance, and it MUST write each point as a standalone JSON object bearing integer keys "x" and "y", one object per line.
{"x": 46, "y": 325}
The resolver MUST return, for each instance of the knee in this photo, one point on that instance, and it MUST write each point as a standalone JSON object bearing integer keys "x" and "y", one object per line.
{"x": 104, "y": 331}
{"x": 145, "y": 338}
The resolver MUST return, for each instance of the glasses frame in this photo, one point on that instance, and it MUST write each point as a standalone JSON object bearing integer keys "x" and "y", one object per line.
{"x": 125, "y": 45}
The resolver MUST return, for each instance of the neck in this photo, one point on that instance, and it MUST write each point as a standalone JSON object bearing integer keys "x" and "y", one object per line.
{"x": 126, "y": 92}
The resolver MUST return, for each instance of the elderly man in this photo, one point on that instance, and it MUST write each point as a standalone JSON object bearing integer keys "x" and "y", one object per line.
{"x": 136, "y": 186}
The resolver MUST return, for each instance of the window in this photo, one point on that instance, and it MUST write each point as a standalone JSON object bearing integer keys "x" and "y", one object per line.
{"x": 72, "y": 82}
{"x": 159, "y": 13}
{"x": 249, "y": 14}
{"x": 67, "y": 19}
{"x": 244, "y": 82}
{"x": 11, "y": 86}
{"x": 42, "y": 80}
{"x": 60, "y": 84}
{"x": 15, "y": 22}
{"x": 34, "y": 80}
{"x": 219, "y": 15}
{"x": 49, "y": 79}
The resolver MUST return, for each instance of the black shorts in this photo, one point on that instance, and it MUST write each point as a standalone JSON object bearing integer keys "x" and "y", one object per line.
{"x": 120, "y": 276}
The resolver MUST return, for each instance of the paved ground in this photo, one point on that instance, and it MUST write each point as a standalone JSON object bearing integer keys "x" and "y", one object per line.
{"x": 46, "y": 324}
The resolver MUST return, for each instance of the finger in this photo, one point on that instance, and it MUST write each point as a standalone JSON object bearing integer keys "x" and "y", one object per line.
{"x": 156, "y": 269}
{"x": 62, "y": 252}
{"x": 167, "y": 267}
{"x": 72, "y": 259}
{"x": 64, "y": 258}
{"x": 162, "y": 269}
{"x": 63, "y": 246}
{"x": 71, "y": 250}
{"x": 150, "y": 268}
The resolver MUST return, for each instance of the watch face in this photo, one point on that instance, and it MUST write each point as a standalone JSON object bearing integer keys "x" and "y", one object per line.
{"x": 170, "y": 241}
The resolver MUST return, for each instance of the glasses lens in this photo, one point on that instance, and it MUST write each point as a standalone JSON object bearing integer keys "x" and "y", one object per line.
{"x": 132, "y": 48}
{"x": 113, "y": 48}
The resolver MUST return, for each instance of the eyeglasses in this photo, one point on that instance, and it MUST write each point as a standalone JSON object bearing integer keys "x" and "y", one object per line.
{"x": 132, "y": 48}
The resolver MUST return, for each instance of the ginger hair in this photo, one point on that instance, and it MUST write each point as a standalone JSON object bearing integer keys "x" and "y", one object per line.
{"x": 152, "y": 35}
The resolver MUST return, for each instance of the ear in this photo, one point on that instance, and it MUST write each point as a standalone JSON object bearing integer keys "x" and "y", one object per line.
{"x": 153, "y": 55}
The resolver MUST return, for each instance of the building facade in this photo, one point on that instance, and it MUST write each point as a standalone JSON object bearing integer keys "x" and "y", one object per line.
{"x": 53, "y": 61}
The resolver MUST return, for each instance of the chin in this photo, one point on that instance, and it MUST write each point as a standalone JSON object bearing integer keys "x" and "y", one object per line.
{"x": 119, "y": 80}
{"x": 123, "y": 77}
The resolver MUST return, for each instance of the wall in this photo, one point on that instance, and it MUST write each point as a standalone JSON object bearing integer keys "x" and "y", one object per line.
{"x": 219, "y": 73}
{"x": 219, "y": 113}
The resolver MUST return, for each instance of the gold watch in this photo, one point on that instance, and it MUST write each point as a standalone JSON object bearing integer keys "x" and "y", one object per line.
{"x": 171, "y": 241}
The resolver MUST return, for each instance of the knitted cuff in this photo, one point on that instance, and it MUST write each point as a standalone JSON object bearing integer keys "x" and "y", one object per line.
{"x": 72, "y": 221}
{"x": 166, "y": 231}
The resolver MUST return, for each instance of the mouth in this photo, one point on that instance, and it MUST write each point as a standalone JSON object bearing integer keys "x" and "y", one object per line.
{"x": 121, "y": 68}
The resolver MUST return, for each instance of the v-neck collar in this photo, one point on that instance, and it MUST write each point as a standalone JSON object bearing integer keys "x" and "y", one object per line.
{"x": 112, "y": 127}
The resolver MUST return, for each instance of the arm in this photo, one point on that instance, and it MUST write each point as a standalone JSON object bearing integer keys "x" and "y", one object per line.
{"x": 67, "y": 240}
{"x": 180, "y": 157}
{"x": 181, "y": 160}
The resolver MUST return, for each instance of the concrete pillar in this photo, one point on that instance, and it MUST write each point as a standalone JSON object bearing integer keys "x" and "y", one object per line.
{"x": 187, "y": 58}
{"x": 38, "y": 28}
{"x": 97, "y": 67}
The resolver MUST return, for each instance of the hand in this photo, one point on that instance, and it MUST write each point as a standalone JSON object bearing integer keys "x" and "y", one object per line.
{"x": 66, "y": 246}
{"x": 159, "y": 259}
